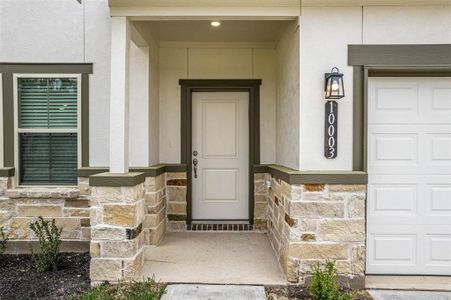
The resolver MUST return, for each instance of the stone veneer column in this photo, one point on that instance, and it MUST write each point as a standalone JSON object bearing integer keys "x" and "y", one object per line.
{"x": 154, "y": 225}
{"x": 261, "y": 195}
{"x": 176, "y": 200}
{"x": 311, "y": 223}
{"x": 117, "y": 237}
{"x": 7, "y": 206}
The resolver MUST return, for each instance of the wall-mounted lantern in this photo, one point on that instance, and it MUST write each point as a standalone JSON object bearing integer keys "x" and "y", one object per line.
{"x": 334, "y": 88}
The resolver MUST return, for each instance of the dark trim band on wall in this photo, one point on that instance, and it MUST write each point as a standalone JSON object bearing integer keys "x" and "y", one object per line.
{"x": 117, "y": 180}
{"x": 151, "y": 171}
{"x": 8, "y": 69}
{"x": 292, "y": 176}
{"x": 388, "y": 61}
{"x": 7, "y": 172}
{"x": 252, "y": 86}
{"x": 399, "y": 55}
{"x": 57, "y": 68}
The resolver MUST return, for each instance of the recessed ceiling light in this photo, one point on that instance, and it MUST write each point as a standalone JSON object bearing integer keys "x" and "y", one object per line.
{"x": 215, "y": 23}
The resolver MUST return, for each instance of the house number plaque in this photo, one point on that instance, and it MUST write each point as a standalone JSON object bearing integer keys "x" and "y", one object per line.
{"x": 330, "y": 133}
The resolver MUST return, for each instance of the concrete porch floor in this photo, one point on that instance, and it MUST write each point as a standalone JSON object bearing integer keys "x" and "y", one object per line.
{"x": 213, "y": 258}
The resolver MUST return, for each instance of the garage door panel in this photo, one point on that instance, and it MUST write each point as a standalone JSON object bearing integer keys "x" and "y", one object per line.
{"x": 436, "y": 99}
{"x": 382, "y": 108}
{"x": 438, "y": 200}
{"x": 393, "y": 199}
{"x": 409, "y": 176}
{"x": 437, "y": 148}
{"x": 393, "y": 152}
{"x": 389, "y": 248}
{"x": 409, "y": 149}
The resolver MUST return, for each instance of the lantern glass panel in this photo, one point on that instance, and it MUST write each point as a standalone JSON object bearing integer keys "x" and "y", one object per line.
{"x": 334, "y": 86}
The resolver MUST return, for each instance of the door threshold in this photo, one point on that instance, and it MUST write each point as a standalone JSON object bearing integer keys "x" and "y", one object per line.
{"x": 215, "y": 227}
{"x": 220, "y": 222}
{"x": 408, "y": 282}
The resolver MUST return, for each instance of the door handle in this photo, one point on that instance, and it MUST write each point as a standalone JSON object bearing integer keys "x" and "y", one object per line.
{"x": 195, "y": 162}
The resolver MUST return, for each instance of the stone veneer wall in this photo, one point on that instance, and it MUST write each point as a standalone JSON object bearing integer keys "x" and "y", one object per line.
{"x": 311, "y": 223}
{"x": 21, "y": 206}
{"x": 117, "y": 236}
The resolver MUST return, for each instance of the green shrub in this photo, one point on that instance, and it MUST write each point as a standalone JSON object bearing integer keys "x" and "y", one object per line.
{"x": 149, "y": 289}
{"x": 323, "y": 285}
{"x": 3, "y": 241}
{"x": 49, "y": 235}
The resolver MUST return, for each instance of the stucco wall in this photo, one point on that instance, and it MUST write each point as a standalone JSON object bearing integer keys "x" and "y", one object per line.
{"x": 207, "y": 61}
{"x": 67, "y": 32}
{"x": 287, "y": 110}
{"x": 325, "y": 34}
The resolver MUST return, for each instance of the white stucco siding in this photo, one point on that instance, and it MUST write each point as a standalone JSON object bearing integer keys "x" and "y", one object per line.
{"x": 325, "y": 35}
{"x": 173, "y": 66}
{"x": 41, "y": 31}
{"x": 265, "y": 66}
{"x": 287, "y": 108}
{"x": 207, "y": 62}
{"x": 98, "y": 51}
{"x": 48, "y": 31}
{"x": 139, "y": 106}
{"x": 407, "y": 25}
{"x": 154, "y": 102}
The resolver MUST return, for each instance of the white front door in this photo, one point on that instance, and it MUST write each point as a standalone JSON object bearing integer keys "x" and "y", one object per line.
{"x": 220, "y": 143}
{"x": 409, "y": 166}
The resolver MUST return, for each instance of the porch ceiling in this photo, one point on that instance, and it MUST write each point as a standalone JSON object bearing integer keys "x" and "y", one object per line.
{"x": 229, "y": 31}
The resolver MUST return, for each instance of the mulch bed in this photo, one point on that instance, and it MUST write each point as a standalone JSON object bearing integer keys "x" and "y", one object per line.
{"x": 293, "y": 292}
{"x": 19, "y": 280}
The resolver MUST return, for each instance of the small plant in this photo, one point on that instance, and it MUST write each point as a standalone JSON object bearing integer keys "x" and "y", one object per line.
{"x": 101, "y": 292}
{"x": 323, "y": 285}
{"x": 49, "y": 235}
{"x": 3, "y": 241}
{"x": 149, "y": 289}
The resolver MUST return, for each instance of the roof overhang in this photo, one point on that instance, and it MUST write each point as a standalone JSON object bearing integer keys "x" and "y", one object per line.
{"x": 199, "y": 9}
{"x": 239, "y": 9}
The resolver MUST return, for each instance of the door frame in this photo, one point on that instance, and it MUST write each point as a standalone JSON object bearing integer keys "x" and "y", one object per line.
{"x": 190, "y": 86}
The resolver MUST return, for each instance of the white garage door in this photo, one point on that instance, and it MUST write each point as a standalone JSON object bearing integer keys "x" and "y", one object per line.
{"x": 409, "y": 166}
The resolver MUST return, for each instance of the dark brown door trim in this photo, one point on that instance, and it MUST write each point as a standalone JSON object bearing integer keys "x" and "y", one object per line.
{"x": 188, "y": 87}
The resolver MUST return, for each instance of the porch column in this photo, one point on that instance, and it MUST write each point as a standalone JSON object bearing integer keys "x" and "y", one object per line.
{"x": 119, "y": 96}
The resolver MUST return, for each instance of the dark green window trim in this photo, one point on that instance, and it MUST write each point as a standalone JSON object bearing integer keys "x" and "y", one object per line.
{"x": 428, "y": 60}
{"x": 8, "y": 69}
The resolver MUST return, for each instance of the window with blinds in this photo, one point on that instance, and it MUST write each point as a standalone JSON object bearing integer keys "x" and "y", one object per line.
{"x": 47, "y": 128}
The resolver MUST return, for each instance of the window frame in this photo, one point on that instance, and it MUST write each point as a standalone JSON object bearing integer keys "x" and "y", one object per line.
{"x": 17, "y": 130}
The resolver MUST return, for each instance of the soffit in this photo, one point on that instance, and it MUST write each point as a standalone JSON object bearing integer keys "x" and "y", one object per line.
{"x": 228, "y": 32}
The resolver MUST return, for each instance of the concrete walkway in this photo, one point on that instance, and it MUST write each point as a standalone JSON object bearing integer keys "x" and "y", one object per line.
{"x": 411, "y": 295}
{"x": 214, "y": 258}
{"x": 214, "y": 292}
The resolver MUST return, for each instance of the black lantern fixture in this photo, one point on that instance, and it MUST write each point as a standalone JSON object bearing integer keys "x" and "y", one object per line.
{"x": 334, "y": 88}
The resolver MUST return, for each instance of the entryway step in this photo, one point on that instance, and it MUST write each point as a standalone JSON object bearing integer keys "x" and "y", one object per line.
{"x": 214, "y": 292}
